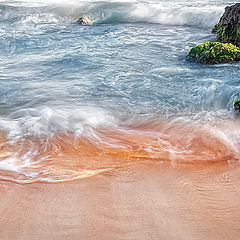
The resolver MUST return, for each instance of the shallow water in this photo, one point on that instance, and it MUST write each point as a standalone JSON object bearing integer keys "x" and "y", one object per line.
{"x": 79, "y": 100}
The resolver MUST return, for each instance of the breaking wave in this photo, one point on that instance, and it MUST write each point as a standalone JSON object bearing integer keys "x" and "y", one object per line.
{"x": 102, "y": 12}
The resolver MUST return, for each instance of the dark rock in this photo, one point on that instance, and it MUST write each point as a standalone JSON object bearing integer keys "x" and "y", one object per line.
{"x": 237, "y": 105}
{"x": 84, "y": 20}
{"x": 228, "y": 28}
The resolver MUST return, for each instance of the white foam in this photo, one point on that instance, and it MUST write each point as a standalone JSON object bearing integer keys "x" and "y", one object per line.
{"x": 39, "y": 18}
{"x": 48, "y": 121}
{"x": 10, "y": 164}
{"x": 175, "y": 15}
{"x": 169, "y": 13}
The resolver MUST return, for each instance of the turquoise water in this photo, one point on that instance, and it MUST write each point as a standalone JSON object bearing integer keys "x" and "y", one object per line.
{"x": 57, "y": 76}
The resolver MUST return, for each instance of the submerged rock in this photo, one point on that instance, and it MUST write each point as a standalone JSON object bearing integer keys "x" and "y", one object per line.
{"x": 237, "y": 105}
{"x": 214, "y": 52}
{"x": 84, "y": 20}
{"x": 228, "y": 28}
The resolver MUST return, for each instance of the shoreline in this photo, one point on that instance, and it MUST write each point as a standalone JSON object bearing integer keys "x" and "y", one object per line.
{"x": 145, "y": 201}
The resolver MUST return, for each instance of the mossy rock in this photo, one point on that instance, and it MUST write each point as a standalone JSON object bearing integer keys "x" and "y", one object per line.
{"x": 237, "y": 105}
{"x": 228, "y": 27}
{"x": 214, "y": 52}
{"x": 227, "y": 35}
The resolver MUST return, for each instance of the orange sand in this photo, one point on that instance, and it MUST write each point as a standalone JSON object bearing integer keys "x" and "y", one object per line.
{"x": 145, "y": 201}
{"x": 161, "y": 181}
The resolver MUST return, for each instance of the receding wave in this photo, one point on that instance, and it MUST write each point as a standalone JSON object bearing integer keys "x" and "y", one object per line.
{"x": 103, "y": 12}
{"x": 45, "y": 146}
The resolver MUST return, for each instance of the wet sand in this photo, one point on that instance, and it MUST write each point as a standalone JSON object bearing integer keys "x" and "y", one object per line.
{"x": 143, "y": 201}
{"x": 66, "y": 156}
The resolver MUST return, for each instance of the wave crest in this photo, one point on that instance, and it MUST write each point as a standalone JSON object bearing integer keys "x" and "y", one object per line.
{"x": 114, "y": 12}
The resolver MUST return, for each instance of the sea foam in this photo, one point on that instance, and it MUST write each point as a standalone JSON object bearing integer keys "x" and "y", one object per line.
{"x": 111, "y": 12}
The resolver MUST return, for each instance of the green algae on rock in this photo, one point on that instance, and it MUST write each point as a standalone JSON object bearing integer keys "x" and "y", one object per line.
{"x": 228, "y": 28}
{"x": 214, "y": 52}
{"x": 229, "y": 35}
{"x": 237, "y": 105}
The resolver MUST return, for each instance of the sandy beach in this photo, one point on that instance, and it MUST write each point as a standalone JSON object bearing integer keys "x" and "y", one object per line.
{"x": 119, "y": 120}
{"x": 144, "y": 201}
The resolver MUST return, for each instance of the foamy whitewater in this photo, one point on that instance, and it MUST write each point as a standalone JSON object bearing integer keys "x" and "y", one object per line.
{"x": 78, "y": 100}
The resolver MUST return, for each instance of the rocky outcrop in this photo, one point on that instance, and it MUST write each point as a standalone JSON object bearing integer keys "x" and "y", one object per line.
{"x": 84, "y": 20}
{"x": 228, "y": 35}
{"x": 228, "y": 28}
{"x": 214, "y": 52}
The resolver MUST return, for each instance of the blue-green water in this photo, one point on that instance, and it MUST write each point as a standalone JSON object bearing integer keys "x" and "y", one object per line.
{"x": 57, "y": 76}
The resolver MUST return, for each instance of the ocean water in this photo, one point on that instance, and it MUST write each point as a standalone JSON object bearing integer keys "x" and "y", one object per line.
{"x": 77, "y": 100}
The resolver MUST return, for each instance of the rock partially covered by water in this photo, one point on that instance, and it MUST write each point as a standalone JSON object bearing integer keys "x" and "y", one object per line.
{"x": 84, "y": 20}
{"x": 237, "y": 105}
{"x": 214, "y": 52}
{"x": 228, "y": 28}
